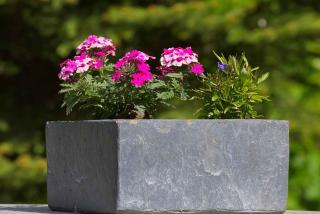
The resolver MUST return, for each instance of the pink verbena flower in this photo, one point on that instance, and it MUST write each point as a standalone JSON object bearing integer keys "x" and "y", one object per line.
{"x": 173, "y": 59}
{"x": 100, "y": 54}
{"x": 143, "y": 67}
{"x": 137, "y": 61}
{"x": 100, "y": 45}
{"x": 178, "y": 57}
{"x": 165, "y": 70}
{"x": 96, "y": 64}
{"x": 68, "y": 68}
{"x": 139, "y": 78}
{"x": 78, "y": 64}
{"x": 83, "y": 63}
{"x": 197, "y": 69}
{"x": 116, "y": 75}
{"x": 132, "y": 57}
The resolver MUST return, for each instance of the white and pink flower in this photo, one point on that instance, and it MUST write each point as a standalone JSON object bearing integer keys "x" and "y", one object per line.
{"x": 98, "y": 45}
{"x": 91, "y": 55}
{"x": 174, "y": 58}
{"x": 79, "y": 64}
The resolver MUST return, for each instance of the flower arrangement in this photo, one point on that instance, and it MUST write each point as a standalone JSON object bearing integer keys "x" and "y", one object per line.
{"x": 129, "y": 88}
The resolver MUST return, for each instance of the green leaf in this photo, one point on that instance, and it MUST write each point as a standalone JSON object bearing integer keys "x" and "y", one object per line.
{"x": 70, "y": 102}
{"x": 175, "y": 75}
{"x": 263, "y": 78}
{"x": 214, "y": 98}
{"x": 226, "y": 110}
{"x": 244, "y": 58}
{"x": 67, "y": 90}
{"x": 198, "y": 111}
{"x": 255, "y": 69}
{"x": 140, "y": 111}
{"x": 68, "y": 87}
{"x": 109, "y": 67}
{"x": 221, "y": 59}
{"x": 184, "y": 96}
{"x": 166, "y": 95}
{"x": 155, "y": 85}
{"x": 84, "y": 106}
{"x": 88, "y": 78}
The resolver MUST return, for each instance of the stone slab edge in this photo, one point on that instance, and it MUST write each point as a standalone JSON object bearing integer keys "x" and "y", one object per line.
{"x": 43, "y": 209}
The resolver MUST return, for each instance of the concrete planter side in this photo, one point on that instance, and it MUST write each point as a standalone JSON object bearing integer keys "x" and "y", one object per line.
{"x": 139, "y": 166}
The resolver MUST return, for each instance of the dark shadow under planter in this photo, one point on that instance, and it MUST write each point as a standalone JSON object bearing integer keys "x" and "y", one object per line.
{"x": 168, "y": 166}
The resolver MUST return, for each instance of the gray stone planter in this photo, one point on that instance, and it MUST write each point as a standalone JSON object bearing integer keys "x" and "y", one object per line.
{"x": 195, "y": 166}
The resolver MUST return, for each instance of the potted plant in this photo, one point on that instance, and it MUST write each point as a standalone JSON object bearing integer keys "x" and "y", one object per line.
{"x": 129, "y": 162}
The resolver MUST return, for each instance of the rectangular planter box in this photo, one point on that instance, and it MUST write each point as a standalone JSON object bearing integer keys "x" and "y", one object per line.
{"x": 194, "y": 166}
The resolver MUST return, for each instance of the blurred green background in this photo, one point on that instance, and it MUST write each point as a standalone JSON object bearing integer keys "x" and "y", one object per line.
{"x": 280, "y": 36}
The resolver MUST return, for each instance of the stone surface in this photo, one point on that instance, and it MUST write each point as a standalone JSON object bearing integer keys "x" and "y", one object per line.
{"x": 27, "y": 209}
{"x": 130, "y": 166}
{"x": 82, "y": 165}
{"x": 44, "y": 209}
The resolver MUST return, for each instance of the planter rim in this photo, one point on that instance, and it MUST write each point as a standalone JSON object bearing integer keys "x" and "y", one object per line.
{"x": 182, "y": 120}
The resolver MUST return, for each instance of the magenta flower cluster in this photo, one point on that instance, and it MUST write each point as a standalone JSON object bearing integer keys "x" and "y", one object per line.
{"x": 175, "y": 58}
{"x": 91, "y": 55}
{"x": 137, "y": 61}
{"x": 93, "y": 52}
{"x": 97, "y": 46}
{"x": 78, "y": 64}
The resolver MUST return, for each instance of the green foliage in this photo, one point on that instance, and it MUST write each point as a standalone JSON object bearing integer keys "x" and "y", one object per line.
{"x": 22, "y": 168}
{"x": 282, "y": 37}
{"x": 105, "y": 98}
{"x": 231, "y": 93}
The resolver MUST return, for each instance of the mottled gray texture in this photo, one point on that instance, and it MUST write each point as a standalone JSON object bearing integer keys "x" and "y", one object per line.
{"x": 43, "y": 209}
{"x": 130, "y": 166}
{"x": 82, "y": 165}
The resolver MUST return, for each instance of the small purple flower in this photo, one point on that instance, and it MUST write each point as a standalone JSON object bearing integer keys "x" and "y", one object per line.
{"x": 222, "y": 67}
